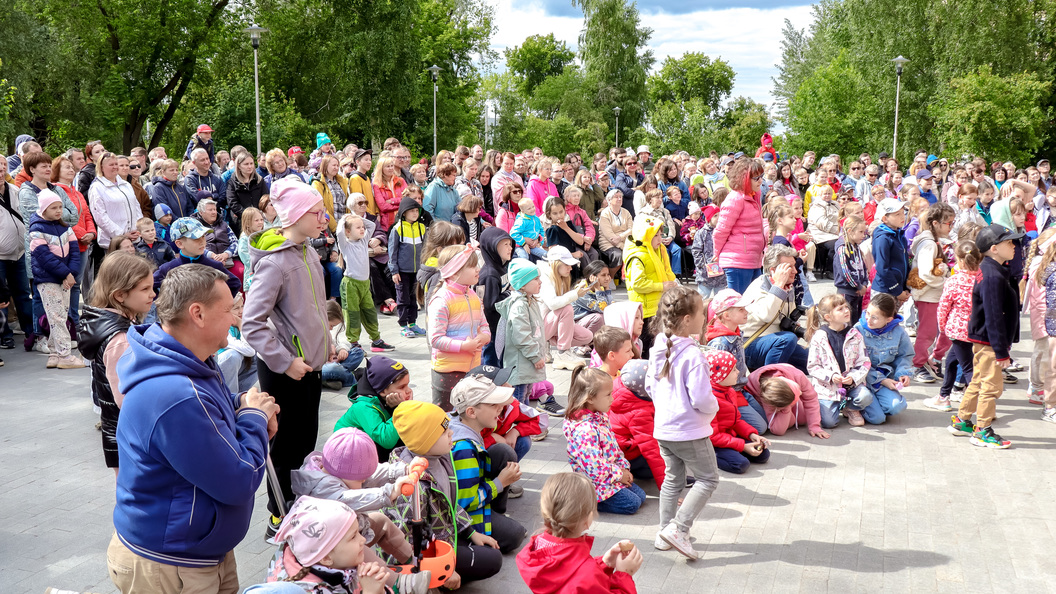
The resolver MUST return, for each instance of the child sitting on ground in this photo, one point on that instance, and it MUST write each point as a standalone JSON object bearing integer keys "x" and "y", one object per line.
{"x": 737, "y": 444}
{"x": 518, "y": 424}
{"x": 525, "y": 349}
{"x": 381, "y": 385}
{"x": 890, "y": 355}
{"x": 592, "y": 447}
{"x": 423, "y": 427}
{"x": 726, "y": 314}
{"x": 346, "y": 470}
{"x": 527, "y": 232}
{"x": 558, "y": 559}
{"x": 149, "y": 246}
{"x": 788, "y": 398}
{"x": 325, "y": 558}
{"x": 838, "y": 363}
{"x": 631, "y": 415}
{"x": 613, "y": 347}
{"x": 339, "y": 370}
{"x": 484, "y": 476}
{"x": 457, "y": 328}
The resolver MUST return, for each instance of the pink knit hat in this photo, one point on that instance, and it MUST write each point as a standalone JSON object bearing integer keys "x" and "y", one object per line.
{"x": 46, "y": 198}
{"x": 314, "y": 527}
{"x": 349, "y": 454}
{"x": 292, "y": 198}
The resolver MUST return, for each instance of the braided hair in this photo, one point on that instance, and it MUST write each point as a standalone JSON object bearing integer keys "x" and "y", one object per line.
{"x": 675, "y": 305}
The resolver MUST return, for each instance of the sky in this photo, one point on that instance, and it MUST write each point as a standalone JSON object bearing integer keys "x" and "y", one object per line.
{"x": 747, "y": 37}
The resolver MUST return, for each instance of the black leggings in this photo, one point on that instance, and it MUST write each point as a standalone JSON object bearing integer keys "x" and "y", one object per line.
{"x": 647, "y": 337}
{"x": 959, "y": 356}
{"x": 506, "y": 531}
{"x": 298, "y": 424}
{"x": 823, "y": 258}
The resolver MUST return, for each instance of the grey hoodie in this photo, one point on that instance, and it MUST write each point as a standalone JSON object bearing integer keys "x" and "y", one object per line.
{"x": 375, "y": 494}
{"x": 285, "y": 313}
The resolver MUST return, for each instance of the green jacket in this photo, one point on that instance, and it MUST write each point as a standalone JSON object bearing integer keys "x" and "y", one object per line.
{"x": 369, "y": 414}
{"x": 525, "y": 343}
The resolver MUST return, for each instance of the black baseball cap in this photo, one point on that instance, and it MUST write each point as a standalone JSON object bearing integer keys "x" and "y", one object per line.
{"x": 497, "y": 375}
{"x": 994, "y": 234}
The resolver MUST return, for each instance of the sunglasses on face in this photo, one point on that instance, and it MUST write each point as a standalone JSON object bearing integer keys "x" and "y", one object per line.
{"x": 856, "y": 168}
{"x": 756, "y": 178}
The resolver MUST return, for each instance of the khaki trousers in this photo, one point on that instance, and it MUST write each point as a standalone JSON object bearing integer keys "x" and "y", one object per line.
{"x": 132, "y": 573}
{"x": 987, "y": 385}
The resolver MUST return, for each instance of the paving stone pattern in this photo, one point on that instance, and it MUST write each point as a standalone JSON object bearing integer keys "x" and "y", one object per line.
{"x": 902, "y": 507}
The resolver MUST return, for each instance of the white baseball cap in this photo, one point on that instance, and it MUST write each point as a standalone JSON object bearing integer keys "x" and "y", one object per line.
{"x": 890, "y": 205}
{"x": 561, "y": 253}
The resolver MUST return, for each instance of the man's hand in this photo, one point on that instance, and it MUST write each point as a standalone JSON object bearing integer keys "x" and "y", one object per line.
{"x": 482, "y": 540}
{"x": 511, "y": 474}
{"x": 298, "y": 368}
{"x": 784, "y": 275}
{"x": 265, "y": 402}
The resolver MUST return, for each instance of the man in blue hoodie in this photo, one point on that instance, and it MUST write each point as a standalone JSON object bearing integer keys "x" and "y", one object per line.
{"x": 194, "y": 454}
{"x": 889, "y": 250}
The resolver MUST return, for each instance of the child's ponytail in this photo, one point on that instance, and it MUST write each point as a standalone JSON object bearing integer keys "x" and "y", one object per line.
{"x": 1047, "y": 258}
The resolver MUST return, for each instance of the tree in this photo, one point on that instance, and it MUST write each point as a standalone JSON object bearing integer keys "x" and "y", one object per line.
{"x": 616, "y": 59}
{"x": 997, "y": 117}
{"x": 693, "y": 76}
{"x": 134, "y": 60}
{"x": 539, "y": 57}
{"x": 828, "y": 114}
{"x": 743, "y": 123}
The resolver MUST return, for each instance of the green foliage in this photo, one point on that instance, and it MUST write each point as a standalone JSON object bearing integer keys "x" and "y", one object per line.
{"x": 743, "y": 123}
{"x": 997, "y": 117}
{"x": 693, "y": 76}
{"x": 827, "y": 114}
{"x": 539, "y": 57}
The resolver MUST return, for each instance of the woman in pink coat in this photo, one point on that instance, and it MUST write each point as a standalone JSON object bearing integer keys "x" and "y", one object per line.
{"x": 539, "y": 185}
{"x": 801, "y": 409}
{"x": 738, "y": 236}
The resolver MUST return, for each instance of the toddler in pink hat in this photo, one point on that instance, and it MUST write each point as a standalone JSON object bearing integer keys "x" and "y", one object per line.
{"x": 347, "y": 471}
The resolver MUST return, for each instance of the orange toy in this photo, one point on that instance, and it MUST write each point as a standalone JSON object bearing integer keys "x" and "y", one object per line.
{"x": 430, "y": 554}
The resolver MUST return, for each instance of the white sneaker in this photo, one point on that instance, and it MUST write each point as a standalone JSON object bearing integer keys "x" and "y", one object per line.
{"x": 679, "y": 540}
{"x": 566, "y": 360}
{"x": 414, "y": 583}
{"x": 1049, "y": 415}
{"x": 810, "y": 277}
{"x": 41, "y": 345}
{"x": 938, "y": 403}
{"x": 661, "y": 544}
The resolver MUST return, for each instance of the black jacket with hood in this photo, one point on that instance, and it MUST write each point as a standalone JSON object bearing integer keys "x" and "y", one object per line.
{"x": 493, "y": 275}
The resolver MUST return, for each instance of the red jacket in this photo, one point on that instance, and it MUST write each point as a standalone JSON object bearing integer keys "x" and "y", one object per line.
{"x": 85, "y": 224}
{"x": 513, "y": 417}
{"x": 632, "y": 422}
{"x": 729, "y": 430}
{"x": 388, "y": 200}
{"x": 549, "y": 564}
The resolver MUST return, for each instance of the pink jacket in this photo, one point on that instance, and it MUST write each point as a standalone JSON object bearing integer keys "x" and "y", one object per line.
{"x": 1034, "y": 299}
{"x": 504, "y": 219}
{"x": 803, "y": 410}
{"x": 578, "y": 217}
{"x": 539, "y": 190}
{"x": 739, "y": 239}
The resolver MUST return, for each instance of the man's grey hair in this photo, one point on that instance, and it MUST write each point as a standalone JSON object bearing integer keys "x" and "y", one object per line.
{"x": 872, "y": 169}
{"x": 184, "y": 285}
{"x": 771, "y": 258}
{"x": 197, "y": 151}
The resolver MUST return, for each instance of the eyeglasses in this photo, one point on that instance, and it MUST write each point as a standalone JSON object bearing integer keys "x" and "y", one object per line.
{"x": 361, "y": 203}
{"x": 320, "y": 215}
{"x": 856, "y": 168}
{"x": 516, "y": 191}
{"x": 756, "y": 178}
{"x": 631, "y": 163}
{"x": 133, "y": 166}
{"x": 872, "y": 174}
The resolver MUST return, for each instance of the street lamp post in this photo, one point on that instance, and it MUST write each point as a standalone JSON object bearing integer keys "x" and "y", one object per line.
{"x": 254, "y": 37}
{"x": 899, "y": 63}
{"x": 435, "y": 71}
{"x": 616, "y": 110}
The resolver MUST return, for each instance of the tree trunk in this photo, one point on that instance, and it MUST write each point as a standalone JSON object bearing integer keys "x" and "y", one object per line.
{"x": 174, "y": 104}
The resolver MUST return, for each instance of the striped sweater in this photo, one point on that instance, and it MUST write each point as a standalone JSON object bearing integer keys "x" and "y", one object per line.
{"x": 472, "y": 467}
{"x": 455, "y": 315}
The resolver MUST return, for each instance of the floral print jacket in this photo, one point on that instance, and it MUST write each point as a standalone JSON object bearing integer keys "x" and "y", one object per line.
{"x": 594, "y": 451}
{"x": 822, "y": 364}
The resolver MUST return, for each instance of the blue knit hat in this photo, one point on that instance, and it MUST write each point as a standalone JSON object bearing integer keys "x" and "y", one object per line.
{"x": 320, "y": 139}
{"x": 521, "y": 273}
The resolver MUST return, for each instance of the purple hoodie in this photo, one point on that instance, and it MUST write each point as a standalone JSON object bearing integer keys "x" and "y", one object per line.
{"x": 683, "y": 413}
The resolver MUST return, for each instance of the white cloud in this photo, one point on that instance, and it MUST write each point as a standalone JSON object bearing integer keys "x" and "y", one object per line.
{"x": 749, "y": 39}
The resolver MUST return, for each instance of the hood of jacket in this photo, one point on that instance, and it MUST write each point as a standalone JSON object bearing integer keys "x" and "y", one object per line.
{"x": 269, "y": 240}
{"x": 406, "y": 204}
{"x": 548, "y": 564}
{"x": 460, "y": 431}
{"x": 489, "y": 249}
{"x": 716, "y": 330}
{"x": 153, "y": 352}
{"x": 97, "y": 325}
{"x": 622, "y": 314}
{"x": 919, "y": 240}
{"x": 864, "y": 328}
{"x": 883, "y": 228}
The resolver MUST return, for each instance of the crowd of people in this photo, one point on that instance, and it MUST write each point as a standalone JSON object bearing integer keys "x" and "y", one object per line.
{"x": 224, "y": 292}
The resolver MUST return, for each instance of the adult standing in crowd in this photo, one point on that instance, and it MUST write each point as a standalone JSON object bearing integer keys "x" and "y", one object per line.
{"x": 359, "y": 180}
{"x": 197, "y": 452}
{"x": 93, "y": 151}
{"x": 128, "y": 170}
{"x": 202, "y": 182}
{"x": 503, "y": 176}
{"x": 13, "y": 268}
{"x": 113, "y": 204}
{"x": 441, "y": 197}
{"x": 333, "y": 187}
{"x": 628, "y": 180}
{"x": 244, "y": 188}
{"x": 388, "y": 187}
{"x": 166, "y": 189}
{"x": 738, "y": 237}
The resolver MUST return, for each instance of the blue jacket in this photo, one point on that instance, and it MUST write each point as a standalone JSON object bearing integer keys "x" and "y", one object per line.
{"x": 892, "y": 260}
{"x": 681, "y": 209}
{"x": 526, "y": 227}
{"x": 54, "y": 248}
{"x": 159, "y": 253}
{"x": 890, "y": 351}
{"x": 192, "y": 462}
{"x": 626, "y": 185}
{"x": 206, "y": 186}
{"x": 995, "y": 309}
{"x": 173, "y": 195}
{"x": 440, "y": 200}
{"x": 929, "y": 196}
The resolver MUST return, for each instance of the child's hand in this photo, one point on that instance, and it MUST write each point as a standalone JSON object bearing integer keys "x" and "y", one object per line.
{"x": 396, "y": 278}
{"x": 626, "y": 477}
{"x": 482, "y": 540}
{"x": 888, "y": 383}
{"x": 541, "y": 363}
{"x": 454, "y": 582}
{"x": 372, "y": 577}
{"x": 68, "y": 282}
{"x": 397, "y": 487}
{"x": 753, "y": 448}
{"x": 904, "y": 380}
{"x": 612, "y": 555}
{"x": 509, "y": 475}
{"x": 837, "y": 378}
{"x": 342, "y": 355}
{"x": 298, "y": 368}
{"x": 848, "y": 380}
{"x": 822, "y": 434}
{"x": 760, "y": 440}
{"x": 511, "y": 437}
{"x": 629, "y": 562}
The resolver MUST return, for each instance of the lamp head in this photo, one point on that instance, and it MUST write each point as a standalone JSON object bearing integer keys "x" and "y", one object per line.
{"x": 435, "y": 71}
{"x": 254, "y": 34}
{"x": 899, "y": 63}
{"x": 616, "y": 110}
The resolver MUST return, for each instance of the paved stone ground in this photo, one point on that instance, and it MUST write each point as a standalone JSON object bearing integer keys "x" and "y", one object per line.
{"x": 899, "y": 507}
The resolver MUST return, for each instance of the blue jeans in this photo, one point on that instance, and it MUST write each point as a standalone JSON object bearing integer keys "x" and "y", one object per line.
{"x": 886, "y": 402}
{"x": 38, "y": 309}
{"x": 334, "y": 273}
{"x": 240, "y": 373}
{"x": 344, "y": 371}
{"x": 523, "y": 445}
{"x": 779, "y": 347}
{"x": 738, "y": 279}
{"x": 520, "y": 392}
{"x": 753, "y": 414}
{"x": 624, "y": 502}
{"x": 535, "y": 254}
{"x": 674, "y": 251}
{"x": 14, "y": 273}
{"x": 858, "y": 398}
{"x": 490, "y": 356}
{"x": 736, "y": 462}
{"x": 808, "y": 299}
